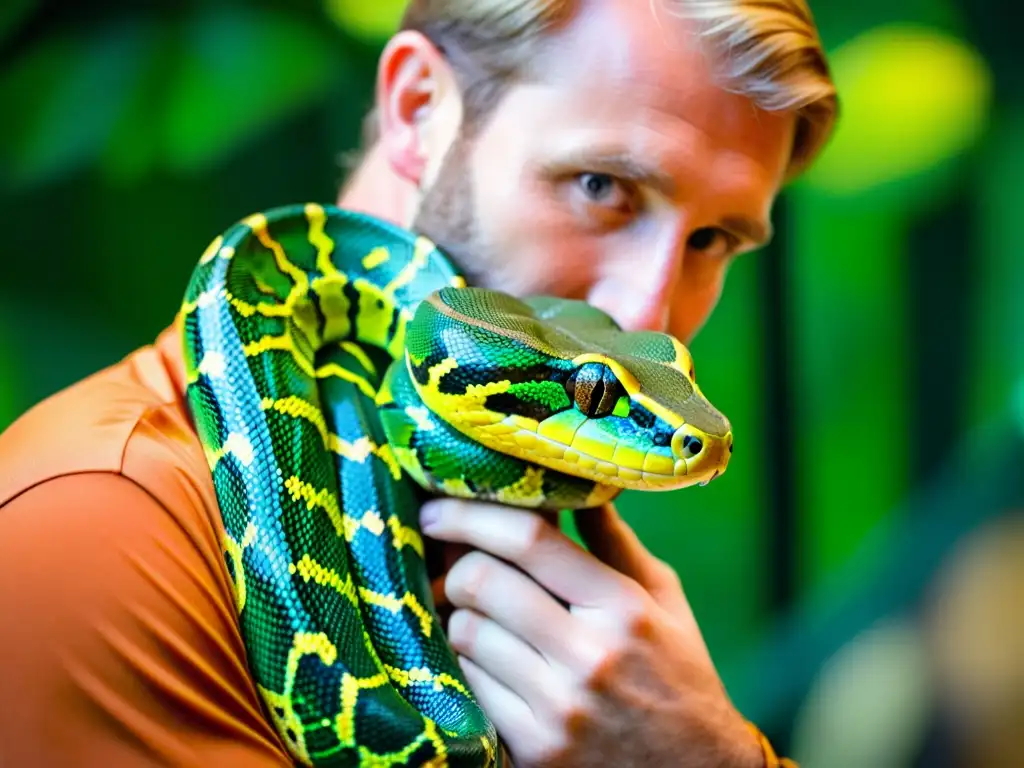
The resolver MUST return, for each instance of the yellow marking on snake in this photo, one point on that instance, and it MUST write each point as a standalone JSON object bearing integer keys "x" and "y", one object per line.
{"x": 370, "y": 520}
{"x": 527, "y": 490}
{"x": 360, "y": 355}
{"x": 234, "y": 550}
{"x": 373, "y": 318}
{"x": 211, "y": 250}
{"x": 283, "y": 343}
{"x": 376, "y": 257}
{"x": 420, "y": 675}
{"x": 333, "y": 369}
{"x": 246, "y": 309}
{"x": 395, "y": 604}
{"x": 397, "y": 344}
{"x": 296, "y": 407}
{"x": 316, "y": 497}
{"x": 421, "y": 251}
{"x": 467, "y": 407}
{"x": 318, "y": 238}
{"x": 404, "y": 536}
{"x": 359, "y": 450}
{"x": 257, "y": 222}
{"x": 310, "y": 570}
{"x": 684, "y": 364}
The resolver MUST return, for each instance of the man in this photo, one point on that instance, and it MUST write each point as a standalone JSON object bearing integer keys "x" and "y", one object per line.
{"x": 610, "y": 150}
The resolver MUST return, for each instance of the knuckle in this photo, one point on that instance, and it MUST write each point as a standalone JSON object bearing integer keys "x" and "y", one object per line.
{"x": 639, "y": 624}
{"x": 633, "y": 599}
{"x": 546, "y": 749}
{"x": 463, "y": 629}
{"x": 637, "y": 614}
{"x": 467, "y": 577}
{"x": 604, "y": 661}
{"x": 667, "y": 575}
{"x": 535, "y": 532}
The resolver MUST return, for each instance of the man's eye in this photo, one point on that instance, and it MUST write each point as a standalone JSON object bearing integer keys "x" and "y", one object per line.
{"x": 712, "y": 240}
{"x": 598, "y": 186}
{"x": 606, "y": 192}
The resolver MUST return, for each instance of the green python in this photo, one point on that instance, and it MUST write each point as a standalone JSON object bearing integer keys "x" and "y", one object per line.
{"x": 339, "y": 372}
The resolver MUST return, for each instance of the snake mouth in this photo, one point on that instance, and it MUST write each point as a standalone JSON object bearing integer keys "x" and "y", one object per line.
{"x": 679, "y": 467}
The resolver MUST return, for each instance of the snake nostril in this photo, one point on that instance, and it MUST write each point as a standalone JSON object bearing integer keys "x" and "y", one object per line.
{"x": 692, "y": 446}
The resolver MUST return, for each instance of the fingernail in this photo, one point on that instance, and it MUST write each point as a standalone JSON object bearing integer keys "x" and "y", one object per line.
{"x": 430, "y": 515}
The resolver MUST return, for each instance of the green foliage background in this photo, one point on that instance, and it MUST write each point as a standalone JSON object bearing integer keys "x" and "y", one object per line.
{"x": 133, "y": 133}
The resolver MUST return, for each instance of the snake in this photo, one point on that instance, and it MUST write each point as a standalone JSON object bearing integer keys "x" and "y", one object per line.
{"x": 340, "y": 372}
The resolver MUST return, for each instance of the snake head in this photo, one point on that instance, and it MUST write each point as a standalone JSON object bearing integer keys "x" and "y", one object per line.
{"x": 557, "y": 383}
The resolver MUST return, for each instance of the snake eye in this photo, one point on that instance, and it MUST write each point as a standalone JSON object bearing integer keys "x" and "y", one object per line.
{"x": 594, "y": 389}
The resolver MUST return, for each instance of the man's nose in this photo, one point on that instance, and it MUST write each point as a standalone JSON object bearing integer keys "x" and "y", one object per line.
{"x": 638, "y": 288}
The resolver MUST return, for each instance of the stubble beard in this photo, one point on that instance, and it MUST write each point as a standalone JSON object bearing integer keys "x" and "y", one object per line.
{"x": 448, "y": 215}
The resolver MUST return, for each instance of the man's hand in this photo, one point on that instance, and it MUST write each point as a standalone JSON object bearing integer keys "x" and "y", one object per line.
{"x": 583, "y": 658}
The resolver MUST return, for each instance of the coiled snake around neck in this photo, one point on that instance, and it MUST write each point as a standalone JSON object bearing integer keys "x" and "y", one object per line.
{"x": 339, "y": 371}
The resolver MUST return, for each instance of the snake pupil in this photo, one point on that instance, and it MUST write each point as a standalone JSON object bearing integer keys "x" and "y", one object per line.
{"x": 594, "y": 389}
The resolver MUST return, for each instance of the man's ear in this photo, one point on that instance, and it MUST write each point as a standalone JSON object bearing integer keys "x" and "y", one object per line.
{"x": 415, "y": 92}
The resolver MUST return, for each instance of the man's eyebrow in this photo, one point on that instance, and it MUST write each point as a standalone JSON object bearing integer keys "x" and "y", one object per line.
{"x": 616, "y": 163}
{"x": 756, "y": 231}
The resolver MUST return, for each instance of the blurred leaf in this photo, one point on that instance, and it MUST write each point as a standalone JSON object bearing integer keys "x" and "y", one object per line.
{"x": 369, "y": 21}
{"x": 13, "y": 13}
{"x": 63, "y": 97}
{"x": 133, "y": 147}
{"x": 240, "y": 71}
{"x": 912, "y": 98}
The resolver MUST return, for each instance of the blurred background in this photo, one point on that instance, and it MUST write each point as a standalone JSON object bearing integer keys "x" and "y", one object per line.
{"x": 859, "y": 572}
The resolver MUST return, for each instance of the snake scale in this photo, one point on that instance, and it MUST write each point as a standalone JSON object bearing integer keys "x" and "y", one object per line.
{"x": 339, "y": 372}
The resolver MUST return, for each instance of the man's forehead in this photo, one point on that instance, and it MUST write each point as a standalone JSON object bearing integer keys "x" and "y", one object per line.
{"x": 623, "y": 41}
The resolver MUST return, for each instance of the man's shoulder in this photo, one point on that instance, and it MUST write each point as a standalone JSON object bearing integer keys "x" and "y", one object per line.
{"x": 127, "y": 419}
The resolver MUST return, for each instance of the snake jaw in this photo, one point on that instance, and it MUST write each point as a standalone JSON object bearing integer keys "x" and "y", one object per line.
{"x": 620, "y": 466}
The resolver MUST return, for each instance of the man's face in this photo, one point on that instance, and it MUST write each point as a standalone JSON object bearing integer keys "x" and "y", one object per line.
{"x": 621, "y": 174}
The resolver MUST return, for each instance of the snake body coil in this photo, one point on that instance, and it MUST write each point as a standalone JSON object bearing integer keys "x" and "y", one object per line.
{"x": 339, "y": 368}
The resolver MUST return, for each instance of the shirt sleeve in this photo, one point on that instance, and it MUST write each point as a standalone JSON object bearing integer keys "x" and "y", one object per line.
{"x": 118, "y": 647}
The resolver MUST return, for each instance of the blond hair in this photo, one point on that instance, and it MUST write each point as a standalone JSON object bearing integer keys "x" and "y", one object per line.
{"x": 767, "y": 50}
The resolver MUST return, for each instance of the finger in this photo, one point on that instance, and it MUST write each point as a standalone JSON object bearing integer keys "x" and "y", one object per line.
{"x": 521, "y": 607}
{"x": 511, "y": 715}
{"x": 498, "y": 652}
{"x": 609, "y": 538}
{"x": 527, "y": 540}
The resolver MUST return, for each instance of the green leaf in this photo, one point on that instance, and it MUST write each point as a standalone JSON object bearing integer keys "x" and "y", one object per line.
{"x": 133, "y": 147}
{"x": 62, "y": 98}
{"x": 12, "y": 14}
{"x": 240, "y": 72}
{"x": 368, "y": 21}
{"x": 913, "y": 98}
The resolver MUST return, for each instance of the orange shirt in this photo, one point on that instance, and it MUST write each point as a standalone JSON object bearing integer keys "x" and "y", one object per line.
{"x": 120, "y": 641}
